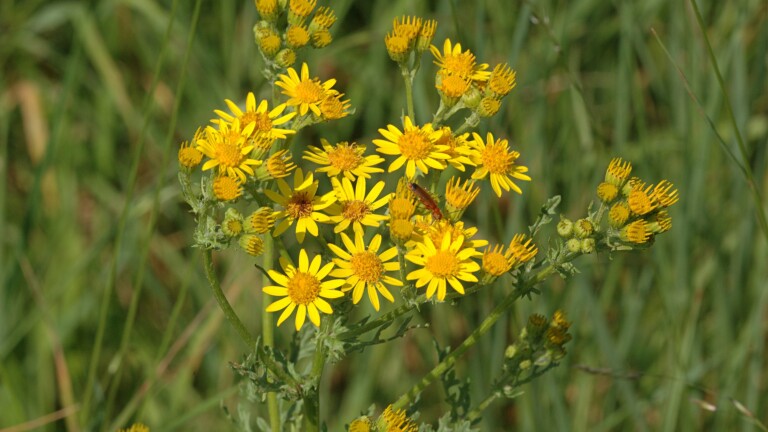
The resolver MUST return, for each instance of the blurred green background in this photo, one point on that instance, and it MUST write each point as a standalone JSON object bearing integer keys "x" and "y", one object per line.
{"x": 91, "y": 207}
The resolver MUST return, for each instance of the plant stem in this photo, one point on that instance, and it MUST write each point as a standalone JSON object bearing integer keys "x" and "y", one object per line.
{"x": 234, "y": 320}
{"x": 408, "y": 78}
{"x": 522, "y": 289}
{"x": 312, "y": 399}
{"x": 268, "y": 329}
{"x": 451, "y": 358}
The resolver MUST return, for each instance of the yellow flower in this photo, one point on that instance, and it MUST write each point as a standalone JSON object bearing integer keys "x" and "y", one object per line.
{"x": 607, "y": 192}
{"x": 278, "y": 165}
{"x": 618, "y": 172}
{"x": 354, "y": 207}
{"x": 364, "y": 269}
{"x": 324, "y": 18}
{"x": 403, "y": 204}
{"x": 233, "y": 223}
{"x": 267, "y": 9}
{"x": 635, "y": 232}
{"x": 344, "y": 158}
{"x": 426, "y": 34}
{"x": 305, "y": 92}
{"x": 414, "y": 145}
{"x": 300, "y": 204}
{"x": 407, "y": 27}
{"x": 451, "y": 88}
{"x": 333, "y": 108}
{"x": 296, "y": 36}
{"x": 442, "y": 265}
{"x": 397, "y": 421}
{"x": 618, "y": 215}
{"x": 488, "y": 106}
{"x": 303, "y": 290}
{"x": 401, "y": 231}
{"x": 260, "y": 221}
{"x": 228, "y": 149}
{"x": 264, "y": 131}
{"x": 189, "y": 157}
{"x": 463, "y": 64}
{"x": 664, "y": 194}
{"x": 426, "y": 226}
{"x": 269, "y": 43}
{"x": 502, "y": 79}
{"x": 252, "y": 244}
{"x": 459, "y": 196}
{"x": 321, "y": 38}
{"x": 361, "y": 424}
{"x": 302, "y": 8}
{"x": 226, "y": 188}
{"x": 136, "y": 427}
{"x": 641, "y": 201}
{"x": 459, "y": 150}
{"x": 495, "y": 158}
{"x": 398, "y": 47}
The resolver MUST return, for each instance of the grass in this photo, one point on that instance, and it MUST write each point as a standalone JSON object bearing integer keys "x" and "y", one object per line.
{"x": 656, "y": 333}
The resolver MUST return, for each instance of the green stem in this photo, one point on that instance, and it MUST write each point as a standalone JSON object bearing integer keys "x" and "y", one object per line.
{"x": 218, "y": 294}
{"x": 312, "y": 399}
{"x": 234, "y": 320}
{"x": 483, "y": 328}
{"x": 451, "y": 358}
{"x": 470, "y": 122}
{"x": 268, "y": 329}
{"x": 478, "y": 410}
{"x": 408, "y": 78}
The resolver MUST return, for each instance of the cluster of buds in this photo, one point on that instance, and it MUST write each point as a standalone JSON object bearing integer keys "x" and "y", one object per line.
{"x": 248, "y": 231}
{"x": 460, "y": 79}
{"x": 541, "y": 344}
{"x": 579, "y": 235}
{"x": 637, "y": 212}
{"x": 286, "y": 27}
{"x": 408, "y": 35}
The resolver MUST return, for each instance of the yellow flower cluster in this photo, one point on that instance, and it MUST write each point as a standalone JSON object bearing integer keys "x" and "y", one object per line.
{"x": 409, "y": 34}
{"x": 280, "y": 39}
{"x": 637, "y": 211}
{"x": 461, "y": 78}
{"x": 423, "y": 147}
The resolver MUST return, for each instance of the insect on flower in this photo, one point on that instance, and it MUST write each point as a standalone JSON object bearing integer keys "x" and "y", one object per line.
{"x": 426, "y": 200}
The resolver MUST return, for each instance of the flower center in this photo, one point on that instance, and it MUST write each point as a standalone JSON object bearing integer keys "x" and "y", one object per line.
{"x": 367, "y": 266}
{"x": 454, "y": 86}
{"x": 401, "y": 208}
{"x": 496, "y": 159}
{"x": 332, "y": 108}
{"x": 355, "y": 210}
{"x": 262, "y": 121}
{"x": 303, "y": 288}
{"x": 415, "y": 144}
{"x": 344, "y": 157}
{"x": 300, "y": 205}
{"x": 228, "y": 152}
{"x": 461, "y": 65}
{"x": 309, "y": 91}
{"x": 495, "y": 263}
{"x": 443, "y": 264}
{"x": 639, "y": 202}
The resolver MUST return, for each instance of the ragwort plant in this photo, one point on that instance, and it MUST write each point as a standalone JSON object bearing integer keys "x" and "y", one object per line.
{"x": 327, "y": 232}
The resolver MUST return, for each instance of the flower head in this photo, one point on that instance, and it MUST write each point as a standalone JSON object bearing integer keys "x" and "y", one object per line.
{"x": 402, "y": 205}
{"x": 426, "y": 226}
{"x": 459, "y": 196}
{"x": 228, "y": 149}
{"x": 302, "y": 289}
{"x": 323, "y": 19}
{"x": 414, "y": 145}
{"x": 455, "y": 62}
{"x": 344, "y": 158}
{"x": 190, "y": 157}
{"x": 304, "y": 92}
{"x": 252, "y": 244}
{"x": 233, "y": 223}
{"x": 226, "y": 188}
{"x": 618, "y": 172}
{"x": 364, "y": 268}
{"x": 260, "y": 221}
{"x": 264, "y": 132}
{"x": 396, "y": 421}
{"x": 459, "y": 150}
{"x": 494, "y": 157}
{"x": 278, "y": 165}
{"x": 502, "y": 80}
{"x": 300, "y": 204}
{"x": 296, "y": 35}
{"x": 441, "y": 265}
{"x": 333, "y": 108}
{"x": 356, "y": 207}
